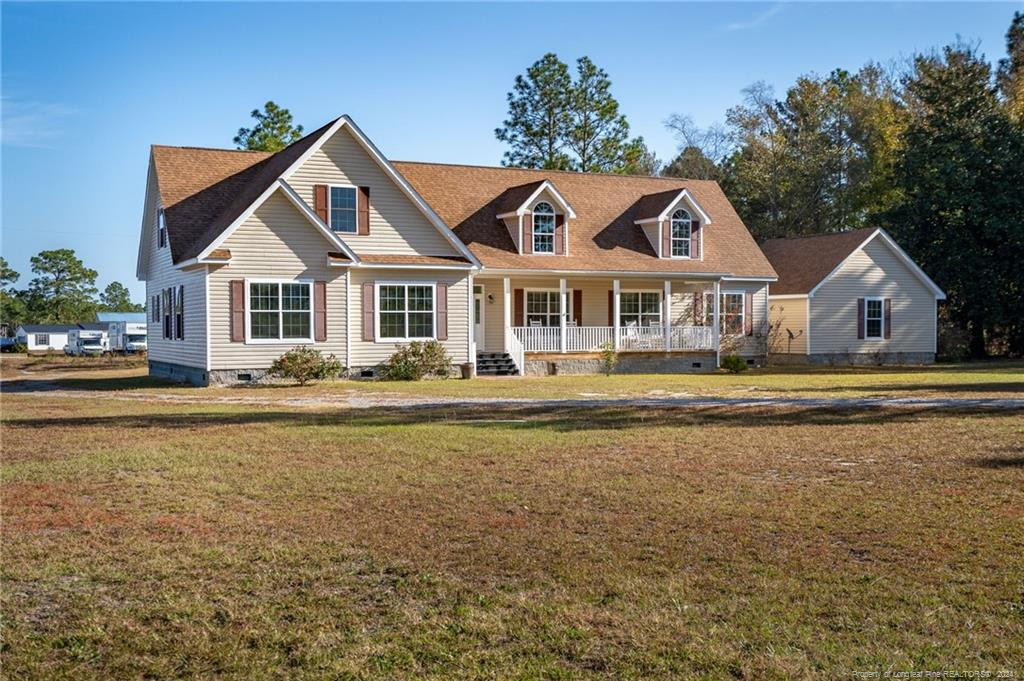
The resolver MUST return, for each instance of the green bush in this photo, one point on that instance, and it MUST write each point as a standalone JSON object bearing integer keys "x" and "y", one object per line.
{"x": 734, "y": 364}
{"x": 609, "y": 358}
{"x": 19, "y": 348}
{"x": 416, "y": 360}
{"x": 305, "y": 365}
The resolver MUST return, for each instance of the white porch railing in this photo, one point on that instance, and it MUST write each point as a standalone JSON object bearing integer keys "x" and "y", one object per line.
{"x": 516, "y": 351}
{"x": 591, "y": 338}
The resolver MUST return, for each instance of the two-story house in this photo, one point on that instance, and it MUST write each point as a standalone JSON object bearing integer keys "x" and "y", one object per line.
{"x": 329, "y": 244}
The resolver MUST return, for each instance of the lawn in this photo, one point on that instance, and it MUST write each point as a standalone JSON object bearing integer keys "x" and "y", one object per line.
{"x": 979, "y": 379}
{"x": 145, "y": 539}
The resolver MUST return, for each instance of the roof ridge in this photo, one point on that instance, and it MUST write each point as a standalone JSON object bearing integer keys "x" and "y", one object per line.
{"x": 799, "y": 237}
{"x": 561, "y": 172}
{"x": 190, "y": 146}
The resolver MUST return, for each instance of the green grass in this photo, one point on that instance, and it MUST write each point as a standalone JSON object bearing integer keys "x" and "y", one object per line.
{"x": 156, "y": 540}
{"x": 979, "y": 379}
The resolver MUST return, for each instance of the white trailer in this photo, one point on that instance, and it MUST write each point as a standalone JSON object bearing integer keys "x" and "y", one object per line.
{"x": 87, "y": 342}
{"x": 127, "y": 337}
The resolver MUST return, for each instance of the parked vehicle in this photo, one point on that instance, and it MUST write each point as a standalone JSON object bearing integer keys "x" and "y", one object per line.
{"x": 7, "y": 344}
{"x": 127, "y": 337}
{"x": 87, "y": 342}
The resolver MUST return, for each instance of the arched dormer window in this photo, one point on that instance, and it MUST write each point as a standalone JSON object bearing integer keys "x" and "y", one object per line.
{"x": 543, "y": 228}
{"x": 681, "y": 231}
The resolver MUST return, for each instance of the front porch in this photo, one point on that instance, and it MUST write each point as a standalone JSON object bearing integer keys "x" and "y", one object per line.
{"x": 539, "y": 319}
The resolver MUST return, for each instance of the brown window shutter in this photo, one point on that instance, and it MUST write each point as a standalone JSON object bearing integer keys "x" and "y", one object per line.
{"x": 559, "y": 235}
{"x": 363, "y": 213}
{"x": 442, "y": 312}
{"x": 320, "y": 203}
{"x": 888, "y": 317}
{"x": 237, "y": 311}
{"x": 577, "y": 306}
{"x": 611, "y": 308}
{"x": 695, "y": 239}
{"x": 517, "y": 308}
{"x": 527, "y": 234}
{"x": 666, "y": 239}
{"x": 748, "y": 313}
{"x": 319, "y": 311}
{"x": 698, "y": 308}
{"x": 181, "y": 312}
{"x": 368, "y": 312}
{"x": 860, "y": 318}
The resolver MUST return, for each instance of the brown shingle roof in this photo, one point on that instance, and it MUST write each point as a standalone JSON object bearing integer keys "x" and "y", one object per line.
{"x": 650, "y": 206}
{"x": 802, "y": 262}
{"x": 603, "y": 237}
{"x": 205, "y": 190}
{"x": 514, "y": 197}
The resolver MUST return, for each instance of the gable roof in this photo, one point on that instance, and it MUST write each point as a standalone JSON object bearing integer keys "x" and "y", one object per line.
{"x": 805, "y": 262}
{"x": 603, "y": 237}
{"x": 518, "y": 199}
{"x": 205, "y": 192}
{"x": 655, "y": 207}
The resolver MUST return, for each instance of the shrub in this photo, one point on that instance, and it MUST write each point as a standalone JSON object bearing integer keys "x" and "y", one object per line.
{"x": 416, "y": 360}
{"x": 734, "y": 364}
{"x": 609, "y": 358}
{"x": 19, "y": 348}
{"x": 305, "y": 364}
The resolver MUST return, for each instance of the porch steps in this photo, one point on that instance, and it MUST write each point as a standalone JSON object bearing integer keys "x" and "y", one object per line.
{"x": 495, "y": 364}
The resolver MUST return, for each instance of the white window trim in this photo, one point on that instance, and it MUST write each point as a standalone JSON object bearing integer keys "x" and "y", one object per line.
{"x": 342, "y": 186}
{"x": 661, "y": 305}
{"x": 249, "y": 340}
{"x": 558, "y": 292}
{"x": 881, "y": 327}
{"x": 554, "y": 229}
{"x": 672, "y": 238}
{"x": 377, "y": 311}
{"x": 721, "y": 309}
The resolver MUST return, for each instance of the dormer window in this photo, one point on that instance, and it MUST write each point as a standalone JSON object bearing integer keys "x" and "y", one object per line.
{"x": 681, "y": 233}
{"x": 543, "y": 228}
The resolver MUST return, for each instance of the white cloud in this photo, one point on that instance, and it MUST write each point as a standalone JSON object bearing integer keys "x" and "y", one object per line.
{"x": 32, "y": 124}
{"x": 757, "y": 20}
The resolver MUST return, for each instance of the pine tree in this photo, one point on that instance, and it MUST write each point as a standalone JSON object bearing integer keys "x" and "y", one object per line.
{"x": 538, "y": 120}
{"x": 273, "y": 130}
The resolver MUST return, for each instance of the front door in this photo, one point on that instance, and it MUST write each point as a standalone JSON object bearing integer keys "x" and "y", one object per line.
{"x": 478, "y": 317}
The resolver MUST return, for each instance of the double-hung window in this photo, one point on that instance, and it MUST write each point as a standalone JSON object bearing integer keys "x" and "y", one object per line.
{"x": 874, "y": 317}
{"x": 640, "y": 308}
{"x": 681, "y": 226}
{"x": 343, "y": 209}
{"x": 405, "y": 311}
{"x": 161, "y": 228}
{"x": 280, "y": 311}
{"x": 543, "y": 228}
{"x": 42, "y": 339}
{"x": 543, "y": 308}
{"x": 730, "y": 311}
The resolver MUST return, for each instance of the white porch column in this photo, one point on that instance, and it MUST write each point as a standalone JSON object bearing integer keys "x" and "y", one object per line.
{"x": 716, "y": 331}
{"x": 667, "y": 304}
{"x": 471, "y": 302}
{"x": 563, "y": 297}
{"x": 507, "y": 283}
{"x": 615, "y": 313}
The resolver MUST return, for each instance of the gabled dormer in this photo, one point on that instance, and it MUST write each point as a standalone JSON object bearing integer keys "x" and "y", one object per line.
{"x": 673, "y": 222}
{"x": 536, "y": 216}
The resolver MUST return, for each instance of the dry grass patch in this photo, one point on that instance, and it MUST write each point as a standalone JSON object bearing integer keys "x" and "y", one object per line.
{"x": 199, "y": 540}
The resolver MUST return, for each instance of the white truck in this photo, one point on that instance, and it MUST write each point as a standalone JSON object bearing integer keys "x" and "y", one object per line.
{"x": 87, "y": 342}
{"x": 127, "y": 337}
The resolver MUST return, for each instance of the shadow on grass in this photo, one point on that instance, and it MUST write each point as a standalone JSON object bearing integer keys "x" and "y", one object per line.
{"x": 116, "y": 383}
{"x": 1013, "y": 458}
{"x": 554, "y": 418}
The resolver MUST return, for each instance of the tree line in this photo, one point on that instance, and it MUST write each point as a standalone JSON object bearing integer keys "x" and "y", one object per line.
{"x": 932, "y": 151}
{"x": 63, "y": 291}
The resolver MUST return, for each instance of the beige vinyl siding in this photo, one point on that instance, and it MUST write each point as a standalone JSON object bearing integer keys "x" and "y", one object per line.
{"x": 372, "y": 353}
{"x": 652, "y": 232}
{"x": 595, "y": 302}
{"x": 397, "y": 226}
{"x": 160, "y": 274}
{"x": 873, "y": 271}
{"x": 275, "y": 242}
{"x": 512, "y": 225}
{"x": 791, "y": 316}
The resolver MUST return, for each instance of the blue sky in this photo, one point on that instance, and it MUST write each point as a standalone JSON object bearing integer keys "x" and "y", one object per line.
{"x": 87, "y": 88}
